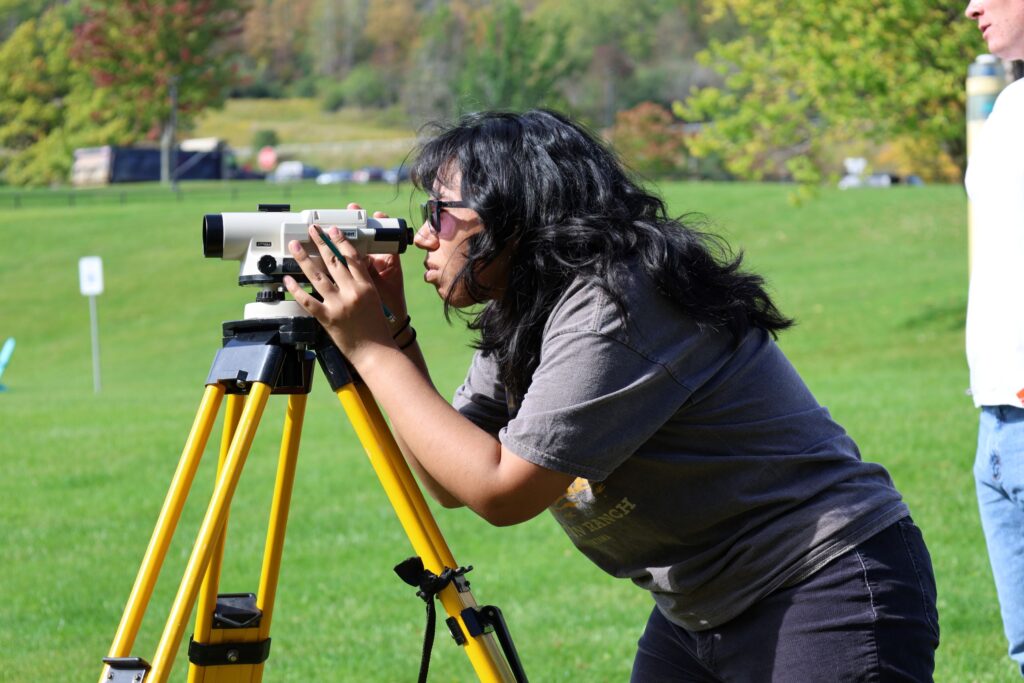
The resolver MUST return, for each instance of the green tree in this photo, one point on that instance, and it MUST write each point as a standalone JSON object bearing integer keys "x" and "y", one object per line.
{"x": 35, "y": 91}
{"x": 48, "y": 107}
{"x": 807, "y": 76}
{"x": 14, "y": 12}
{"x": 392, "y": 27}
{"x": 339, "y": 39}
{"x": 142, "y": 50}
{"x": 266, "y": 137}
{"x": 276, "y": 47}
{"x": 429, "y": 89}
{"x": 516, "y": 62}
{"x": 632, "y": 51}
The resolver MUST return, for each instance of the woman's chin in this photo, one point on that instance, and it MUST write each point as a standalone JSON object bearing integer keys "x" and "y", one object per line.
{"x": 457, "y": 299}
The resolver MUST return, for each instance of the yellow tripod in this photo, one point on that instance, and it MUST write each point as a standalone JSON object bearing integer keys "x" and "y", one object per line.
{"x": 232, "y": 632}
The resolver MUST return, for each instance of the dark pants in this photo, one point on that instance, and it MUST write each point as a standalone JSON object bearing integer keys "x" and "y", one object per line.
{"x": 869, "y": 615}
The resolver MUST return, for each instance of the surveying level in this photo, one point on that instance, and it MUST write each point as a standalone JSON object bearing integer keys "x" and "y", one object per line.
{"x": 259, "y": 240}
{"x": 261, "y": 356}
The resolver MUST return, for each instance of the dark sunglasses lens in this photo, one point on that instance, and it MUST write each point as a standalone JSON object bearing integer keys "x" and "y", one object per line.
{"x": 432, "y": 212}
{"x": 435, "y": 214}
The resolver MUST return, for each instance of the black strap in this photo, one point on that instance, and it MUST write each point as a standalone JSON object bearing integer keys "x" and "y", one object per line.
{"x": 430, "y": 584}
{"x": 428, "y": 641}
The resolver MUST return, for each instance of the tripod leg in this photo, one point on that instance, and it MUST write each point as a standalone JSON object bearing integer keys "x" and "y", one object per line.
{"x": 279, "y": 510}
{"x": 170, "y": 514}
{"x": 207, "y": 602}
{"x": 401, "y": 473}
{"x": 418, "y": 523}
{"x": 232, "y": 636}
{"x": 209, "y": 531}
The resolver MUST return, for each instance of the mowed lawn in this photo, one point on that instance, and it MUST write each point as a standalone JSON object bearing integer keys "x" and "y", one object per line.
{"x": 877, "y": 280}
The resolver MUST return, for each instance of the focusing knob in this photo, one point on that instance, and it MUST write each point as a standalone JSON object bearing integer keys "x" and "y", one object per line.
{"x": 267, "y": 264}
{"x": 269, "y": 295}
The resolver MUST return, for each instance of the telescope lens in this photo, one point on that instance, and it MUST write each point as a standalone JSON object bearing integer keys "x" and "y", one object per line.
{"x": 213, "y": 235}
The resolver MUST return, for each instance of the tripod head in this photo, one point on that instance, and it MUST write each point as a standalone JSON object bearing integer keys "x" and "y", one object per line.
{"x": 259, "y": 241}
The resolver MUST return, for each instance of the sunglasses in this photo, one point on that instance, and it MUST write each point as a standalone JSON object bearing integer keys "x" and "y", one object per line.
{"x": 432, "y": 208}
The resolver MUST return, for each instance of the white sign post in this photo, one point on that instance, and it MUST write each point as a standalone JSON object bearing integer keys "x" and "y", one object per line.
{"x": 90, "y": 281}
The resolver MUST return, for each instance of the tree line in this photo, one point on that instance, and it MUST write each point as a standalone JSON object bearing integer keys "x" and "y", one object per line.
{"x": 719, "y": 88}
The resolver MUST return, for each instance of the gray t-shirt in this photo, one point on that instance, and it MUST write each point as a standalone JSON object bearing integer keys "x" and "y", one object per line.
{"x": 707, "y": 472}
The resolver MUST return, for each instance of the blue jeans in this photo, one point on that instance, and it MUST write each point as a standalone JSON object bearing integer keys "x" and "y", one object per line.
{"x": 869, "y": 615}
{"x": 999, "y": 477}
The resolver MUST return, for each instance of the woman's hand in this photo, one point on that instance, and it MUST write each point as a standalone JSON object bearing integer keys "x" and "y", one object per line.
{"x": 351, "y": 310}
{"x": 386, "y": 272}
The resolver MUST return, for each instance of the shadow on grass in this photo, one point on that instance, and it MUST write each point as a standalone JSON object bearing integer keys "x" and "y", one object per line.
{"x": 949, "y": 316}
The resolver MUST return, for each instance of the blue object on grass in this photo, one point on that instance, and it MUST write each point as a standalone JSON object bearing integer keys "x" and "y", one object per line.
{"x": 5, "y": 356}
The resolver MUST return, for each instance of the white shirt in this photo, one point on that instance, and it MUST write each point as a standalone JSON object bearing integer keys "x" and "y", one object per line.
{"x": 995, "y": 308}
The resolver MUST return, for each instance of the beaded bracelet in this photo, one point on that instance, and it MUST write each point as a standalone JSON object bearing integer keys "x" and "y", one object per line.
{"x": 409, "y": 343}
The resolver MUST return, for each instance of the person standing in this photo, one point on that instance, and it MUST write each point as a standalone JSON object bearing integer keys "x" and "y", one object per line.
{"x": 995, "y": 318}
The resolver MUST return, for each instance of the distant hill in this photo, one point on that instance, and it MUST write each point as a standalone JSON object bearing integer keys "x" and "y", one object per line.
{"x": 347, "y": 138}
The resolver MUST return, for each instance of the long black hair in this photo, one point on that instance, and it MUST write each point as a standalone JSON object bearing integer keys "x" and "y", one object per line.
{"x": 556, "y": 205}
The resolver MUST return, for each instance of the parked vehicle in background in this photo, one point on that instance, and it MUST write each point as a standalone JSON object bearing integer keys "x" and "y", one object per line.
{"x": 855, "y": 167}
{"x": 332, "y": 177}
{"x": 290, "y": 171}
{"x": 890, "y": 179}
{"x": 368, "y": 174}
{"x": 396, "y": 175}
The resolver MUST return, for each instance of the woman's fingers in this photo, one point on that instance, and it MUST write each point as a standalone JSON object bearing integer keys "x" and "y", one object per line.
{"x": 313, "y": 271}
{"x": 302, "y": 297}
{"x": 353, "y": 267}
{"x": 341, "y": 276}
{"x": 330, "y": 254}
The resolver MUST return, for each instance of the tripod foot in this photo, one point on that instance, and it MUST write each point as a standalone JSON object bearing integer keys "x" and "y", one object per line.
{"x": 126, "y": 669}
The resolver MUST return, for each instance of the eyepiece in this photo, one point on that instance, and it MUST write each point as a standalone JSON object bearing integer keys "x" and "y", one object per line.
{"x": 406, "y": 235}
{"x": 394, "y": 230}
{"x": 213, "y": 235}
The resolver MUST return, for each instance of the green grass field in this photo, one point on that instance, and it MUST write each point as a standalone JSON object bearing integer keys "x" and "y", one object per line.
{"x": 876, "y": 279}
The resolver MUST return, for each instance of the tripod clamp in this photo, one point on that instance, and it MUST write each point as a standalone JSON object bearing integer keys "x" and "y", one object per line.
{"x": 233, "y": 611}
{"x": 478, "y": 620}
{"x": 430, "y": 584}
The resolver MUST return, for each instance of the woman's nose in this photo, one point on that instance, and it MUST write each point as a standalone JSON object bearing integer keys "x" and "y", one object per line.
{"x": 425, "y": 237}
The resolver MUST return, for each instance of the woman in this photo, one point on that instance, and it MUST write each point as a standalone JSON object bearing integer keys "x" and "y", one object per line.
{"x": 626, "y": 378}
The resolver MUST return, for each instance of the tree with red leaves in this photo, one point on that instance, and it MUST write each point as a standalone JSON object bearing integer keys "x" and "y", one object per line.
{"x": 650, "y": 140}
{"x": 164, "y": 60}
